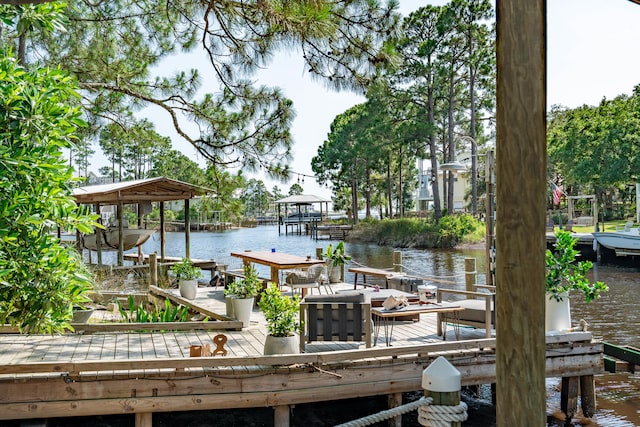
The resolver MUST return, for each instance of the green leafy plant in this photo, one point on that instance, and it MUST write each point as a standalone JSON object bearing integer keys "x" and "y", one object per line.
{"x": 142, "y": 314}
{"x": 564, "y": 274}
{"x": 280, "y": 311}
{"x": 186, "y": 270}
{"x": 336, "y": 255}
{"x": 40, "y": 279}
{"x": 248, "y": 286}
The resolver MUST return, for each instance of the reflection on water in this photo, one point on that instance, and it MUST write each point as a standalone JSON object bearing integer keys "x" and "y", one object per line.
{"x": 614, "y": 317}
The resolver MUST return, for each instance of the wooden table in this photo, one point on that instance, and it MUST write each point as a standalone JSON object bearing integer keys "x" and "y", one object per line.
{"x": 374, "y": 272}
{"x": 276, "y": 261}
{"x": 384, "y": 317}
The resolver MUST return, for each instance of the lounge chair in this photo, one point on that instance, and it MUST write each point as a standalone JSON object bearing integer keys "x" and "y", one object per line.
{"x": 478, "y": 308}
{"x": 336, "y": 317}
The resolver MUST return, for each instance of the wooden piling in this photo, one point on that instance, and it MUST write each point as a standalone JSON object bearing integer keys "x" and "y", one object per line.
{"x": 588, "y": 395}
{"x": 153, "y": 269}
{"x": 569, "y": 396}
{"x": 281, "y": 415}
{"x": 394, "y": 400}
{"x": 470, "y": 274}
{"x": 445, "y": 398}
{"x": 144, "y": 419}
{"x": 397, "y": 261}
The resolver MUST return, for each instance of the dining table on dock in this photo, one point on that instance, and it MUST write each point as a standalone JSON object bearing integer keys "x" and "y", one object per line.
{"x": 276, "y": 261}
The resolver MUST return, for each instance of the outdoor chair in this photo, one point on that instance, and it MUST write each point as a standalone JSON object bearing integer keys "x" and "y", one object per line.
{"x": 336, "y": 317}
{"x": 478, "y": 308}
{"x": 312, "y": 278}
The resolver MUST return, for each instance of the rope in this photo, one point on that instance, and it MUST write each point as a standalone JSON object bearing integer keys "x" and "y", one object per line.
{"x": 389, "y": 413}
{"x": 441, "y": 416}
{"x": 428, "y": 415}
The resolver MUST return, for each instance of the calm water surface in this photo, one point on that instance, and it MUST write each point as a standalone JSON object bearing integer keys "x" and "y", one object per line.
{"x": 614, "y": 318}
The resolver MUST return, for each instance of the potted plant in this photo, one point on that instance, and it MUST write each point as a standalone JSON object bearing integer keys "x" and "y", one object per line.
{"x": 187, "y": 274}
{"x": 336, "y": 259}
{"x": 229, "y": 294}
{"x": 564, "y": 274}
{"x": 245, "y": 289}
{"x": 281, "y": 314}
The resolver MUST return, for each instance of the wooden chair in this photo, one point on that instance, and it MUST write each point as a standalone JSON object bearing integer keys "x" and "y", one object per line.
{"x": 336, "y": 317}
{"x": 478, "y": 308}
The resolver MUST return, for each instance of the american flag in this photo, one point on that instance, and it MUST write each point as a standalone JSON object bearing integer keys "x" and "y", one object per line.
{"x": 557, "y": 193}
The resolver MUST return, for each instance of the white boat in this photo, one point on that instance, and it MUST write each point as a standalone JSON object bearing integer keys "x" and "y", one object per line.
{"x": 133, "y": 237}
{"x": 624, "y": 242}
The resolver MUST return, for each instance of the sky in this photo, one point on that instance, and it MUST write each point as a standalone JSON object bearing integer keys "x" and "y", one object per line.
{"x": 592, "y": 54}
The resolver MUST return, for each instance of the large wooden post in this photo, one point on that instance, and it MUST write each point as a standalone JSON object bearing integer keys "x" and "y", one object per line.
{"x": 470, "y": 274}
{"x": 520, "y": 203}
{"x": 120, "y": 232}
{"x": 397, "y": 261}
{"x": 187, "y": 230}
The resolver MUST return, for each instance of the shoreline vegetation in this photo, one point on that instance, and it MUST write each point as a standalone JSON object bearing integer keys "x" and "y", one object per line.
{"x": 453, "y": 231}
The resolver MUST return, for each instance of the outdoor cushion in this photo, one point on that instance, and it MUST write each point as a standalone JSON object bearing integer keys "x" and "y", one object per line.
{"x": 474, "y": 309}
{"x": 353, "y": 296}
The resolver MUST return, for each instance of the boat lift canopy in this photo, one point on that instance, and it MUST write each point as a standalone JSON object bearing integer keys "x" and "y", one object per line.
{"x": 141, "y": 192}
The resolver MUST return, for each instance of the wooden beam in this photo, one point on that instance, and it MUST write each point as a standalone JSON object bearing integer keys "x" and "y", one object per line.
{"x": 520, "y": 219}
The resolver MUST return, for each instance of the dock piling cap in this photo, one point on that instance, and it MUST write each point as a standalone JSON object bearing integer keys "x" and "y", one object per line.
{"x": 441, "y": 376}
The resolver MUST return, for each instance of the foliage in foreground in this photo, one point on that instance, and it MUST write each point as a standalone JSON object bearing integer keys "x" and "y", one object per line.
{"x": 40, "y": 280}
{"x": 141, "y": 314}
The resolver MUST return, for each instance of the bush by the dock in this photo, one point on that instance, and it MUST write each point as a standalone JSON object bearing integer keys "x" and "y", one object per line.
{"x": 420, "y": 233}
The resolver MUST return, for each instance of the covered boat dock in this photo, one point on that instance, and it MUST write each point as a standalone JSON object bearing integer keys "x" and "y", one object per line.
{"x": 141, "y": 192}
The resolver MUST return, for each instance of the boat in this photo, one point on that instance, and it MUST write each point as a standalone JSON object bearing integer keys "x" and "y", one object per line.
{"x": 625, "y": 241}
{"x": 133, "y": 237}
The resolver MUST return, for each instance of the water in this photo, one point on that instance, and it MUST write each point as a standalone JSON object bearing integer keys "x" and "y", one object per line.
{"x": 614, "y": 317}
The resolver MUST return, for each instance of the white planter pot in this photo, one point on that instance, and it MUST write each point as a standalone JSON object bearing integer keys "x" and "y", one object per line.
{"x": 81, "y": 315}
{"x": 188, "y": 288}
{"x": 282, "y": 345}
{"x": 334, "y": 272}
{"x": 242, "y": 308}
{"x": 557, "y": 314}
{"x": 228, "y": 299}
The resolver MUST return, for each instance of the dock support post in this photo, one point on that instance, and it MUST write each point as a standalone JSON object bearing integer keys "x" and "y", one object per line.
{"x": 469, "y": 273}
{"x": 588, "y": 395}
{"x": 144, "y": 419}
{"x": 397, "y": 261}
{"x": 394, "y": 400}
{"x": 569, "y": 396}
{"x": 153, "y": 269}
{"x": 281, "y": 416}
{"x": 441, "y": 382}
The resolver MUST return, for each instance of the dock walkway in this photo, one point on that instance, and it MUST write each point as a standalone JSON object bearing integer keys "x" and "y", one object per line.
{"x": 43, "y": 376}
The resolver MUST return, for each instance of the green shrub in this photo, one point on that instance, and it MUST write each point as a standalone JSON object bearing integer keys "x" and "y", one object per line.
{"x": 280, "y": 311}
{"x": 141, "y": 314}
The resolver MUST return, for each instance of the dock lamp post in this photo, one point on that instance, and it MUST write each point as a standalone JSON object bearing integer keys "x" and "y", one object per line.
{"x": 489, "y": 222}
{"x": 474, "y": 174}
{"x": 453, "y": 166}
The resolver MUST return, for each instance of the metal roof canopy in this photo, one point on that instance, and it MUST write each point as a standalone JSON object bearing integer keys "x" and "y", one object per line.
{"x": 301, "y": 200}
{"x": 151, "y": 189}
{"x": 158, "y": 189}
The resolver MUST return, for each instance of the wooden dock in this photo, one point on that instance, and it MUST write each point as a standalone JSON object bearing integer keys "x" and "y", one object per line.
{"x": 140, "y": 373}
